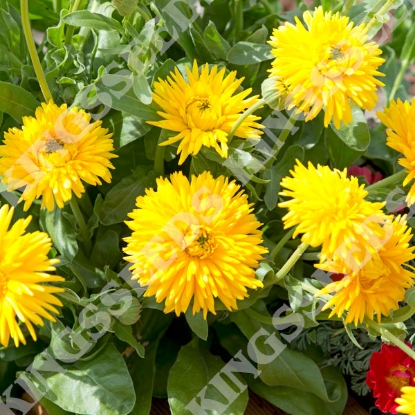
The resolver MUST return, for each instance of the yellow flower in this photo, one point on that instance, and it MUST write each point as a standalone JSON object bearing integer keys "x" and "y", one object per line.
{"x": 23, "y": 265}
{"x": 400, "y": 120}
{"x": 406, "y": 401}
{"x": 195, "y": 240}
{"x": 327, "y": 64}
{"x": 53, "y": 152}
{"x": 379, "y": 284}
{"x": 203, "y": 109}
{"x": 330, "y": 210}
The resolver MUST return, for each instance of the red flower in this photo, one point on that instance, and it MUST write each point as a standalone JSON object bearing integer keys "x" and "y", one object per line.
{"x": 390, "y": 370}
{"x": 370, "y": 176}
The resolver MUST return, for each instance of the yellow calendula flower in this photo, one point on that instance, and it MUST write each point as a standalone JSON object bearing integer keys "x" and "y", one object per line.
{"x": 203, "y": 109}
{"x": 379, "y": 284}
{"x": 53, "y": 153}
{"x": 400, "y": 120}
{"x": 330, "y": 209}
{"x": 24, "y": 264}
{"x": 195, "y": 240}
{"x": 406, "y": 401}
{"x": 327, "y": 64}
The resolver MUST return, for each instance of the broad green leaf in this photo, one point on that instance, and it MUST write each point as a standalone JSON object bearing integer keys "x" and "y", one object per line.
{"x": 96, "y": 21}
{"x": 61, "y": 231}
{"x": 120, "y": 200}
{"x": 165, "y": 69}
{"x": 246, "y": 53}
{"x": 125, "y": 333}
{"x": 52, "y": 408}
{"x": 215, "y": 42}
{"x": 260, "y": 36}
{"x": 202, "y": 51}
{"x": 16, "y": 102}
{"x": 56, "y": 35}
{"x": 106, "y": 250}
{"x": 192, "y": 372}
{"x": 355, "y": 135}
{"x": 100, "y": 386}
{"x": 197, "y": 323}
{"x": 142, "y": 89}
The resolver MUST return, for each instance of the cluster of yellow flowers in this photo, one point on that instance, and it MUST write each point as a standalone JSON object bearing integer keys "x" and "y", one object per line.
{"x": 196, "y": 240}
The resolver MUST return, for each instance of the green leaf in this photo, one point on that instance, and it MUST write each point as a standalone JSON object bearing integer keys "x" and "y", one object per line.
{"x": 215, "y": 42}
{"x": 142, "y": 89}
{"x": 106, "y": 250}
{"x": 260, "y": 36}
{"x": 52, "y": 408}
{"x": 120, "y": 200}
{"x": 165, "y": 69}
{"x": 91, "y": 20}
{"x": 125, "y": 333}
{"x": 197, "y": 323}
{"x": 143, "y": 372}
{"x": 278, "y": 171}
{"x": 16, "y": 102}
{"x": 192, "y": 372}
{"x": 61, "y": 231}
{"x": 355, "y": 135}
{"x": 202, "y": 51}
{"x": 56, "y": 34}
{"x": 408, "y": 47}
{"x": 246, "y": 53}
{"x": 101, "y": 386}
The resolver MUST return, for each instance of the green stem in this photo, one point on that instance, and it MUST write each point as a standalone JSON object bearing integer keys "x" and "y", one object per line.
{"x": 71, "y": 29}
{"x": 57, "y": 5}
{"x": 391, "y": 337}
{"x": 292, "y": 260}
{"x": 312, "y": 256}
{"x": 27, "y": 30}
{"x": 243, "y": 117}
{"x": 239, "y": 19}
{"x": 383, "y": 10}
{"x": 281, "y": 243}
{"x": 267, "y": 6}
{"x": 281, "y": 139}
{"x": 347, "y": 6}
{"x": 397, "y": 177}
{"x": 159, "y": 160}
{"x": 82, "y": 225}
{"x": 398, "y": 80}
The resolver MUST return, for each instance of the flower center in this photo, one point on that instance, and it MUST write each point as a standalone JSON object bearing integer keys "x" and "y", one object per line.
{"x": 202, "y": 113}
{"x": 400, "y": 376}
{"x": 53, "y": 153}
{"x": 199, "y": 241}
{"x": 3, "y": 285}
{"x": 53, "y": 145}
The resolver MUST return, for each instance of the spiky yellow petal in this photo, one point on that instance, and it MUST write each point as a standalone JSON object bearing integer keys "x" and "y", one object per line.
{"x": 326, "y": 64}
{"x": 23, "y": 294}
{"x": 53, "y": 153}
{"x": 203, "y": 109}
{"x": 195, "y": 241}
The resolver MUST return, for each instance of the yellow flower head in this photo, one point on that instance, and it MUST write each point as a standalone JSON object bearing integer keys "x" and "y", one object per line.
{"x": 406, "y": 401}
{"x": 400, "y": 120}
{"x": 330, "y": 210}
{"x": 326, "y": 64}
{"x": 380, "y": 283}
{"x": 203, "y": 109}
{"x": 23, "y": 265}
{"x": 195, "y": 240}
{"x": 53, "y": 152}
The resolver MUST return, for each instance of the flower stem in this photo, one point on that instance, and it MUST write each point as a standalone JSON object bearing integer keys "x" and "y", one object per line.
{"x": 27, "y": 30}
{"x": 383, "y": 10}
{"x": 281, "y": 243}
{"x": 243, "y": 117}
{"x": 281, "y": 139}
{"x": 57, "y": 5}
{"x": 82, "y": 225}
{"x": 239, "y": 19}
{"x": 71, "y": 29}
{"x": 267, "y": 6}
{"x": 391, "y": 337}
{"x": 347, "y": 6}
{"x": 397, "y": 177}
{"x": 398, "y": 80}
{"x": 292, "y": 260}
{"x": 159, "y": 160}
